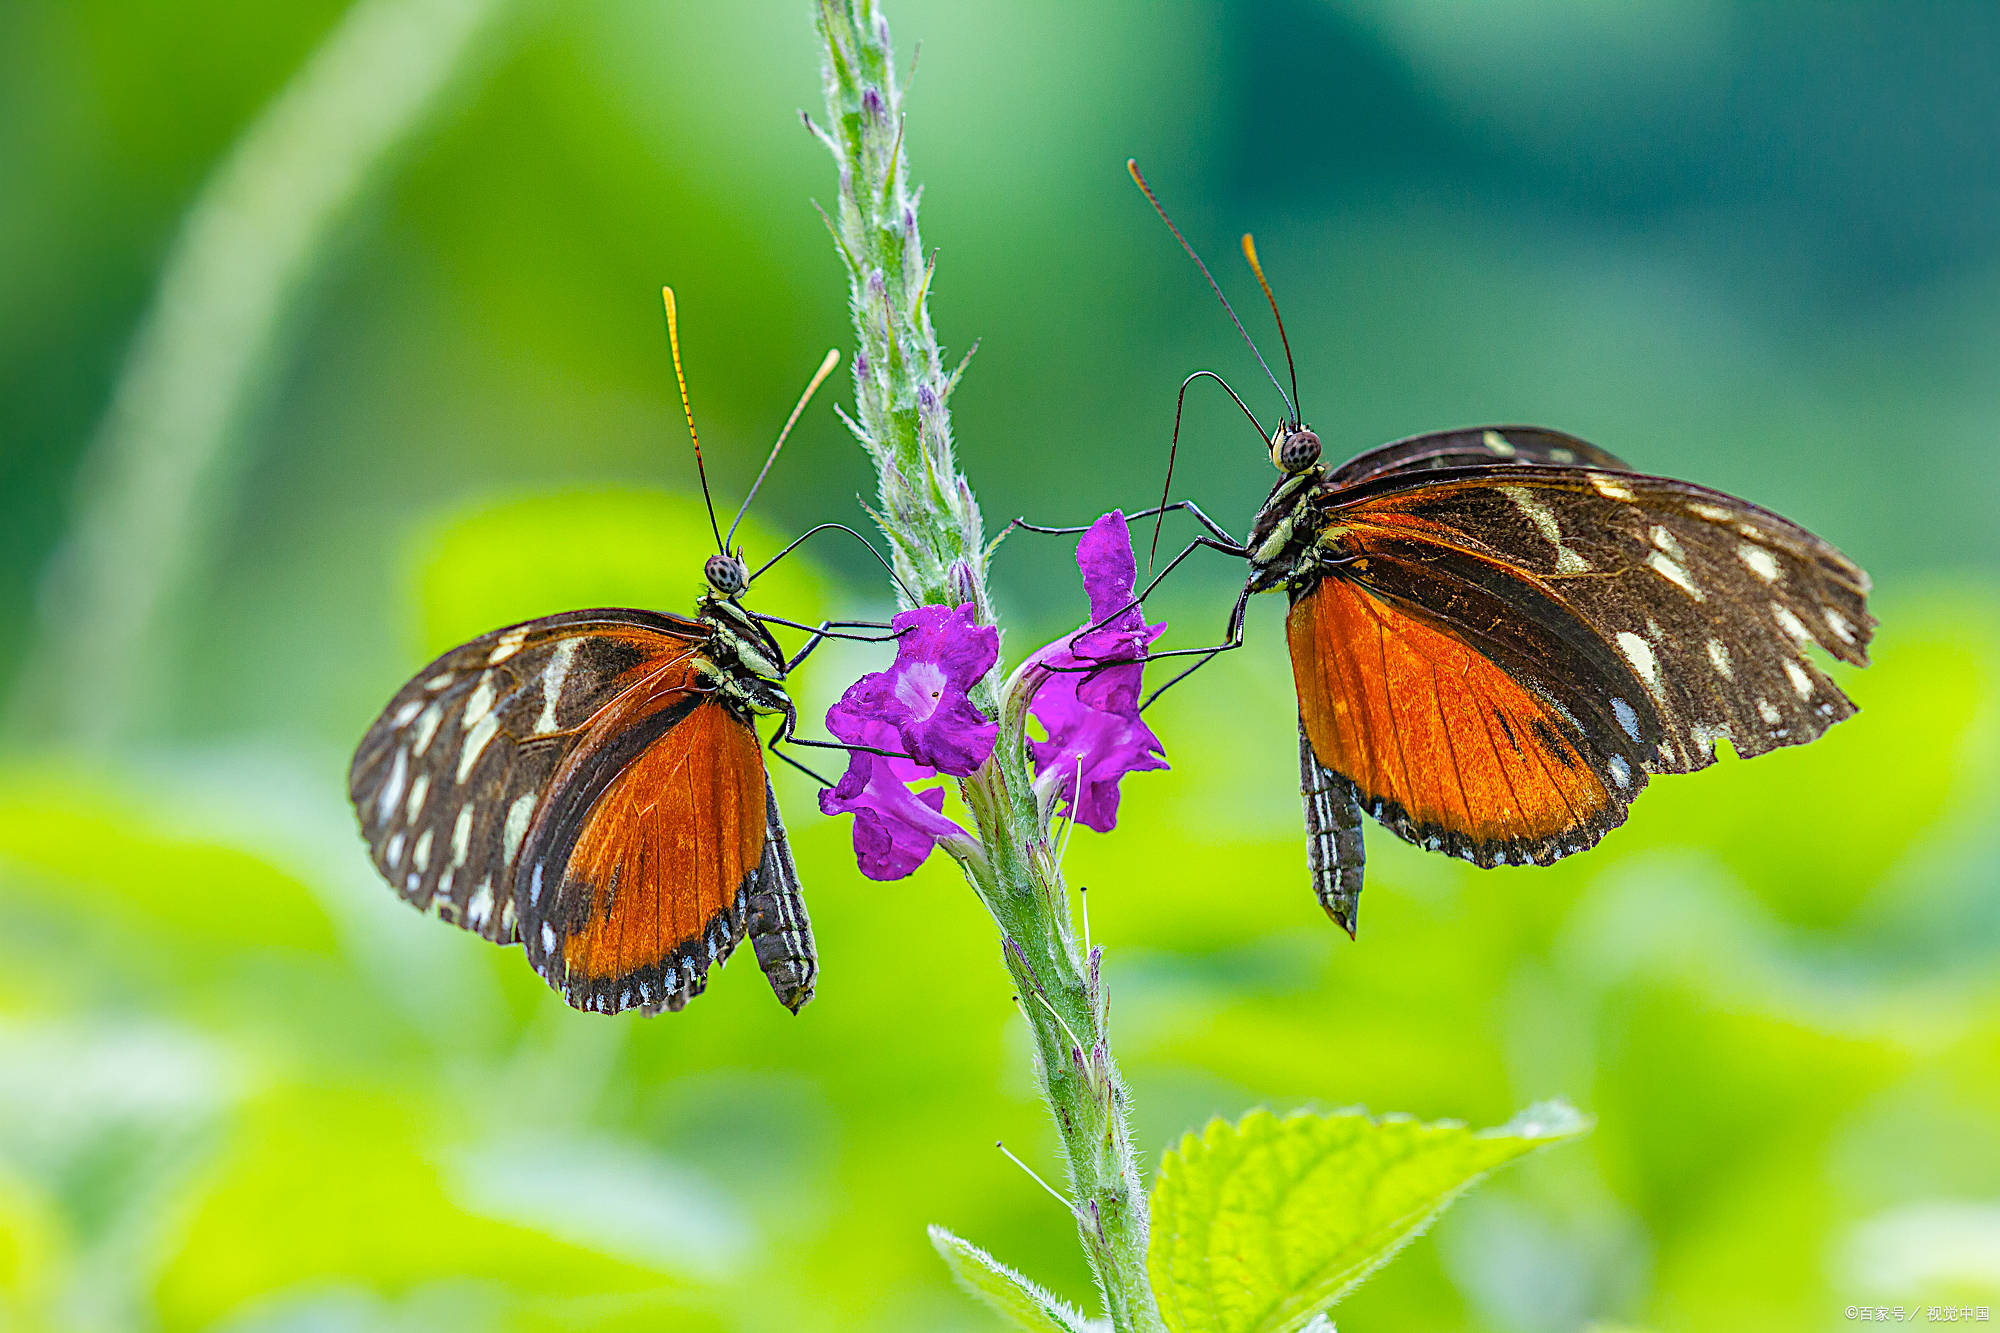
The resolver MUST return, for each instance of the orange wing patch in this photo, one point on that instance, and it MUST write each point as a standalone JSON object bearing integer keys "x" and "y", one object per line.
{"x": 666, "y": 855}
{"x": 1445, "y": 747}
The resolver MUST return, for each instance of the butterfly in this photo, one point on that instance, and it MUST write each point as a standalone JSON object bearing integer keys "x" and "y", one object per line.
{"x": 590, "y": 785}
{"x": 1499, "y": 634}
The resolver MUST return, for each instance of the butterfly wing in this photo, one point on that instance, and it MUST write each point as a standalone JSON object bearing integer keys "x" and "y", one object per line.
{"x": 637, "y": 876}
{"x": 448, "y": 778}
{"x": 1471, "y": 447}
{"x": 1499, "y": 655}
{"x": 573, "y": 783}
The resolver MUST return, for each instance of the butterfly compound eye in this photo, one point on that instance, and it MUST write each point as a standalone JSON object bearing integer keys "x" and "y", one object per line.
{"x": 726, "y": 574}
{"x": 1298, "y": 451}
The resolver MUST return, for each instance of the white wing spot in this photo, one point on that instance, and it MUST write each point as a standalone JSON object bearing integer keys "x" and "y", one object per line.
{"x": 461, "y": 835}
{"x": 427, "y": 726}
{"x": 1627, "y": 718}
{"x": 517, "y": 824}
{"x": 1800, "y": 680}
{"x": 480, "y": 705}
{"x": 1496, "y": 443}
{"x": 418, "y": 790}
{"x": 535, "y": 887}
{"x": 420, "y": 855}
{"x": 1567, "y": 561}
{"x": 1762, "y": 563}
{"x": 548, "y": 938}
{"x": 393, "y": 853}
{"x": 1672, "y": 572}
{"x": 1563, "y": 455}
{"x": 475, "y": 744}
{"x": 392, "y": 790}
{"x": 553, "y": 676}
{"x": 1609, "y": 488}
{"x": 481, "y": 906}
{"x": 1718, "y": 653}
{"x": 1669, "y": 543}
{"x": 509, "y": 644}
{"x": 1768, "y": 711}
{"x": 1838, "y": 623}
{"x": 1640, "y": 654}
{"x": 1713, "y": 513}
{"x": 439, "y": 681}
{"x": 1621, "y": 772}
{"x": 1790, "y": 623}
{"x": 405, "y": 713}
{"x": 1706, "y": 735}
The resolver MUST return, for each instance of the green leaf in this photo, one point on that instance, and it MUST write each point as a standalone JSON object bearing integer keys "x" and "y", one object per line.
{"x": 1260, "y": 1226}
{"x": 1027, "y": 1305}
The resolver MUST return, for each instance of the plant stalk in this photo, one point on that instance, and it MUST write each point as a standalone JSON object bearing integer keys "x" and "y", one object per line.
{"x": 927, "y": 512}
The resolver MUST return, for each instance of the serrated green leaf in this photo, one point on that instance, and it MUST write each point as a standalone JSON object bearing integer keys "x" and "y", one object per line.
{"x": 1260, "y": 1226}
{"x": 1028, "y": 1305}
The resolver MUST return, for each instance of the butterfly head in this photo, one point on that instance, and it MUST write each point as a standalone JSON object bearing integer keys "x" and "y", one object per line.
{"x": 727, "y": 575}
{"x": 1294, "y": 447}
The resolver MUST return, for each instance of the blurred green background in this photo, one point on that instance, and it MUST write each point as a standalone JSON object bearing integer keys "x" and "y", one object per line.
{"x": 241, "y": 1086}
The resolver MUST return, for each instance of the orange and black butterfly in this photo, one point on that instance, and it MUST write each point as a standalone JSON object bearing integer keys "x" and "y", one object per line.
{"x": 590, "y": 786}
{"x": 1499, "y": 634}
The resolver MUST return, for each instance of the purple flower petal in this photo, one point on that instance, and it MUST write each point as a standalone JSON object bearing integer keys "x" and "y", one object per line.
{"x": 1095, "y": 736}
{"x": 894, "y": 827}
{"x": 940, "y": 655}
{"x": 919, "y": 707}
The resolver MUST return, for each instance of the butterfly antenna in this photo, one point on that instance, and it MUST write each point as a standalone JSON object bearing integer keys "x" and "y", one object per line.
{"x": 1250, "y": 253}
{"x": 1132, "y": 165}
{"x": 819, "y": 378}
{"x": 674, "y": 342}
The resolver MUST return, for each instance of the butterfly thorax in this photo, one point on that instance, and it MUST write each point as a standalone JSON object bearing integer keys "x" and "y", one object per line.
{"x": 741, "y": 661}
{"x": 1288, "y": 538}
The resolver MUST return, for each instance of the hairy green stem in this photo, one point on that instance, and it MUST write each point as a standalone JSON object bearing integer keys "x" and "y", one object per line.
{"x": 927, "y": 511}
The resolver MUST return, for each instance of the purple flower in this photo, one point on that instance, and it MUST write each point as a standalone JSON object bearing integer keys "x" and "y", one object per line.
{"x": 918, "y": 707}
{"x": 1095, "y": 736}
{"x": 894, "y": 826}
{"x": 940, "y": 655}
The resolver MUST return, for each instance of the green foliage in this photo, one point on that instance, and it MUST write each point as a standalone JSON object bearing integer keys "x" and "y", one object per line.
{"x": 1026, "y": 1305}
{"x": 1262, "y": 1225}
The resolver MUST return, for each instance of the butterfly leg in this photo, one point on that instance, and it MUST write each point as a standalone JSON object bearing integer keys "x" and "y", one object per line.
{"x": 1334, "y": 850}
{"x": 1233, "y": 640}
{"x": 829, "y": 629}
{"x": 777, "y": 927}
{"x": 1188, "y": 507}
{"x": 1139, "y": 598}
{"x": 787, "y": 734}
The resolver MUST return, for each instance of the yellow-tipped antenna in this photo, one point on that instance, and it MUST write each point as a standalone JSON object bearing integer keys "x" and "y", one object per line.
{"x": 1250, "y": 253}
{"x": 674, "y": 343}
{"x": 819, "y": 377}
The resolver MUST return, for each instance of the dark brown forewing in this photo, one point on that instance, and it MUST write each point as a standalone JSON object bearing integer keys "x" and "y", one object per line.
{"x": 1708, "y": 600}
{"x": 1472, "y": 446}
{"x": 448, "y": 779}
